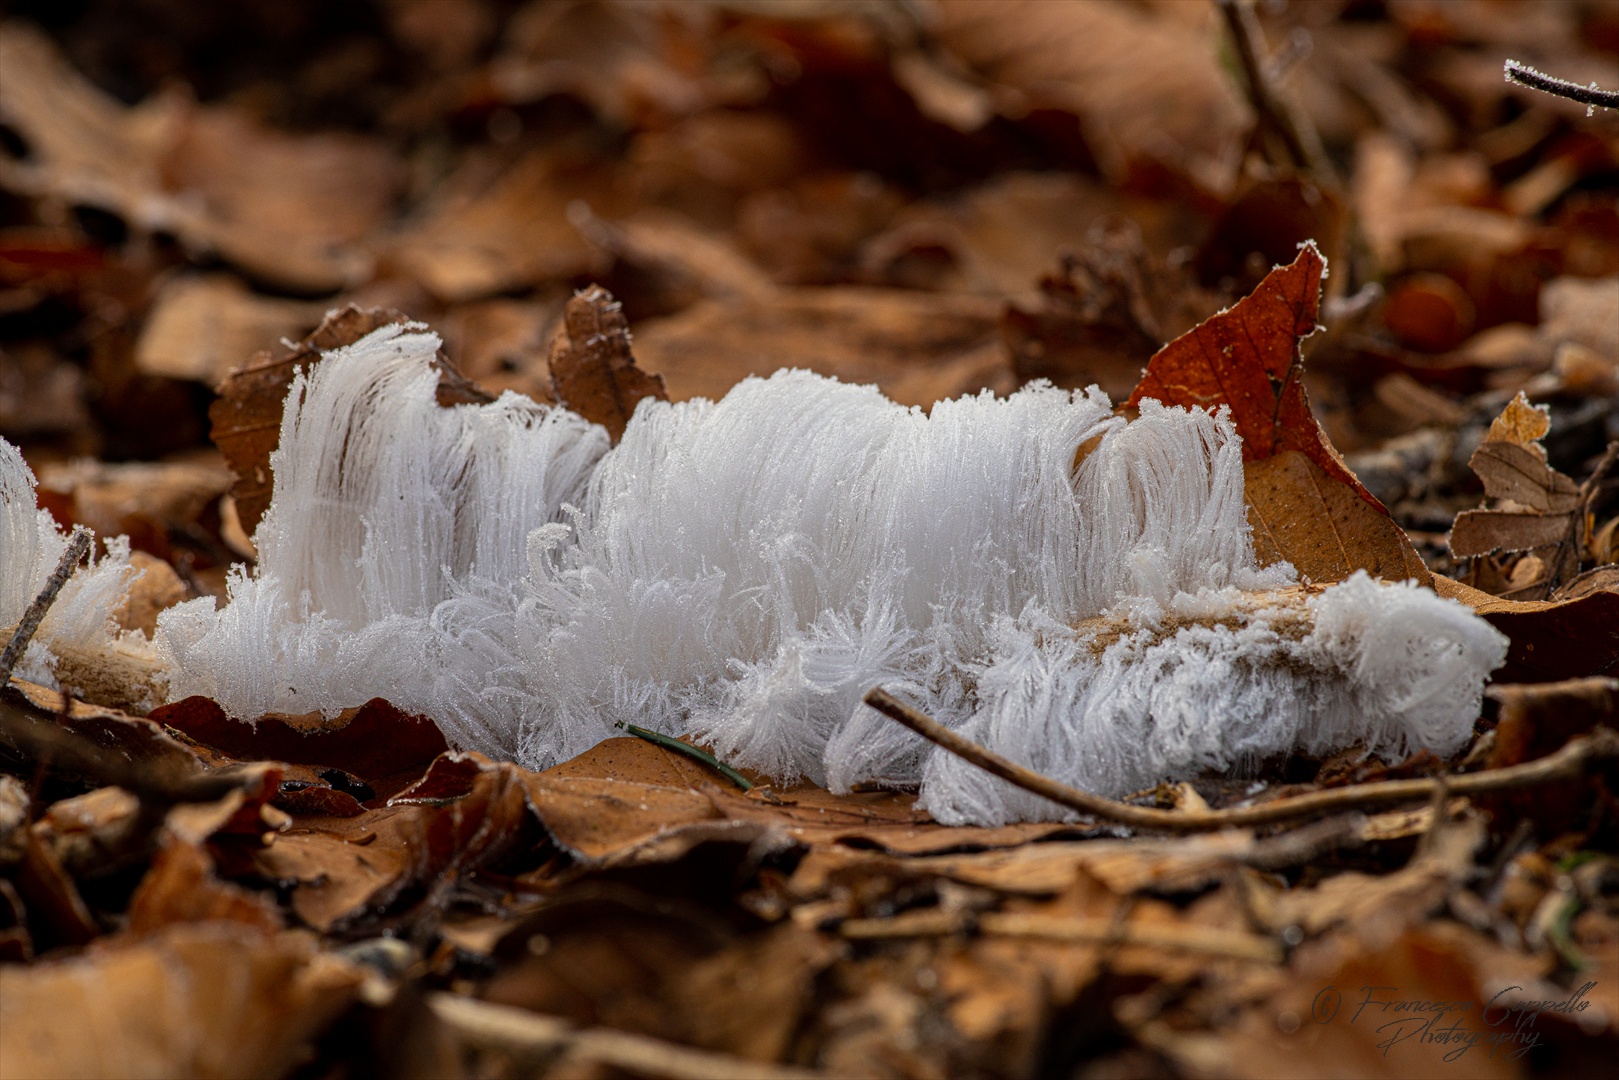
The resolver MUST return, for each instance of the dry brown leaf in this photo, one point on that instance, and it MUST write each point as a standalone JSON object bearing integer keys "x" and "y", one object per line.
{"x": 1146, "y": 87}
{"x": 181, "y": 887}
{"x": 247, "y": 415}
{"x": 1544, "y": 512}
{"x": 292, "y": 210}
{"x": 158, "y": 505}
{"x": 203, "y": 327}
{"x": 213, "y": 999}
{"x": 593, "y": 371}
{"x": 1302, "y": 498}
{"x": 919, "y": 348}
{"x": 479, "y": 236}
{"x": 1351, "y": 1011}
{"x": 1550, "y": 641}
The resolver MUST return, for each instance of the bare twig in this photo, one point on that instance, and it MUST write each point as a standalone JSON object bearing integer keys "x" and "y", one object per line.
{"x": 1590, "y": 96}
{"x": 1210, "y": 941}
{"x": 77, "y": 545}
{"x": 1302, "y": 145}
{"x": 521, "y": 1033}
{"x": 1569, "y": 762}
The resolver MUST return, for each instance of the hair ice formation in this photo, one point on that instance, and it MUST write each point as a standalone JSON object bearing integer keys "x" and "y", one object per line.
{"x": 744, "y": 570}
{"x": 79, "y": 625}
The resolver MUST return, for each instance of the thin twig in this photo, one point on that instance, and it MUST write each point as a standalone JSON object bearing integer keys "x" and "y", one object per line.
{"x": 1590, "y": 96}
{"x": 77, "y": 545}
{"x": 1565, "y": 764}
{"x": 524, "y": 1034}
{"x": 1232, "y": 944}
{"x": 697, "y": 753}
{"x": 1302, "y": 145}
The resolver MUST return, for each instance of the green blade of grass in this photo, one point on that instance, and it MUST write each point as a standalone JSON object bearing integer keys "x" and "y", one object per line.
{"x": 669, "y": 743}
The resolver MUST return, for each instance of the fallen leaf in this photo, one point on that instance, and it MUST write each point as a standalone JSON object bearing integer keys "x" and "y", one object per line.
{"x": 917, "y": 347}
{"x": 290, "y": 209}
{"x": 479, "y": 236}
{"x": 1103, "y": 313}
{"x": 1538, "y": 720}
{"x": 1544, "y": 514}
{"x": 1145, "y": 86}
{"x": 387, "y": 748}
{"x": 1305, "y": 505}
{"x": 203, "y": 327}
{"x": 180, "y": 886}
{"x": 247, "y": 415}
{"x": 219, "y": 999}
{"x": 1550, "y": 641}
{"x": 593, "y": 371}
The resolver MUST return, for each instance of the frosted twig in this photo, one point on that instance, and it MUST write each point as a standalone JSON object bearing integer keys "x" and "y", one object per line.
{"x": 1590, "y": 96}
{"x": 1565, "y": 764}
{"x": 77, "y": 545}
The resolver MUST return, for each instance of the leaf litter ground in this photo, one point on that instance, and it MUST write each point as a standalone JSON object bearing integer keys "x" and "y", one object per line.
{"x": 939, "y": 206}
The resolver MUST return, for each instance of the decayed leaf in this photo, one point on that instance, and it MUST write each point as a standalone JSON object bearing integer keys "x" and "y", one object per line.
{"x": 212, "y": 999}
{"x": 593, "y": 371}
{"x": 386, "y": 748}
{"x": 247, "y": 415}
{"x": 1544, "y": 513}
{"x": 1303, "y": 501}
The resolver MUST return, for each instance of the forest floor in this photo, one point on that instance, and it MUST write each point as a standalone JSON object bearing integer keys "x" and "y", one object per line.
{"x": 940, "y": 198}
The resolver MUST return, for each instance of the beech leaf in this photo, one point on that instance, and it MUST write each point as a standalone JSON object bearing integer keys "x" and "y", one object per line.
{"x": 593, "y": 371}
{"x": 1304, "y": 503}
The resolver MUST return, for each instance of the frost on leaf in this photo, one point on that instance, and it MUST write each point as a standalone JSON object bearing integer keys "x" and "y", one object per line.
{"x": 1539, "y": 509}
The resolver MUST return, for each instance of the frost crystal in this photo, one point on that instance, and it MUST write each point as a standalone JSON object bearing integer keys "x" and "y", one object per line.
{"x": 78, "y": 639}
{"x": 745, "y": 570}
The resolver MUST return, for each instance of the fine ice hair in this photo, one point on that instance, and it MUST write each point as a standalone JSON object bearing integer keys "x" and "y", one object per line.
{"x": 744, "y": 570}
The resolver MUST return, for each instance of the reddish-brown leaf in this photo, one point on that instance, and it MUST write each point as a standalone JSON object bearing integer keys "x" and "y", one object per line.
{"x": 1247, "y": 357}
{"x": 1304, "y": 504}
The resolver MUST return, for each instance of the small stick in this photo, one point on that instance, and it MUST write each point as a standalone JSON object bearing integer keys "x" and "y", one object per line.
{"x": 1589, "y": 96}
{"x": 1565, "y": 764}
{"x": 1233, "y": 944}
{"x": 535, "y": 1037}
{"x": 77, "y": 545}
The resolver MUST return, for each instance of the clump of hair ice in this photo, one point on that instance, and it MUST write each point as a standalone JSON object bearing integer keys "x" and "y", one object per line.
{"x": 79, "y": 645}
{"x": 744, "y": 570}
